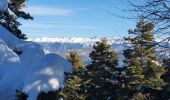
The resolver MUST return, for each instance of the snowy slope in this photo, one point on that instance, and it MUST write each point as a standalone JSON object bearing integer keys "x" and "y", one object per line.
{"x": 7, "y": 55}
{"x": 34, "y": 70}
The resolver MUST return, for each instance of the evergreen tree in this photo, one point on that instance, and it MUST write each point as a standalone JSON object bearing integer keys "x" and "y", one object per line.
{"x": 155, "y": 11}
{"x": 75, "y": 60}
{"x": 72, "y": 89}
{"x": 21, "y": 95}
{"x": 143, "y": 69}
{"x": 51, "y": 95}
{"x": 166, "y": 77}
{"x": 101, "y": 83}
{"x": 9, "y": 17}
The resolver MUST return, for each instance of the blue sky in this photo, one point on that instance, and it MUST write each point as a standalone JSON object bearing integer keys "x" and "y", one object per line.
{"x": 75, "y": 18}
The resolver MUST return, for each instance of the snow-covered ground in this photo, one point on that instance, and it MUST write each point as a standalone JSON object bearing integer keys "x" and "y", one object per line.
{"x": 32, "y": 70}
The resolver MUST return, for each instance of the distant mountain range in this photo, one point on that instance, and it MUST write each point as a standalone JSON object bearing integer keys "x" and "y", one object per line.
{"x": 77, "y": 40}
{"x": 84, "y": 46}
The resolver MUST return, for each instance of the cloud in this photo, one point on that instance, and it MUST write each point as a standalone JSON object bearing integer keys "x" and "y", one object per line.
{"x": 49, "y": 11}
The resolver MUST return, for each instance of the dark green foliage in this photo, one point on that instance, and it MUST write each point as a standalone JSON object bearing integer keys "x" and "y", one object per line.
{"x": 101, "y": 83}
{"x": 103, "y": 60}
{"x": 8, "y": 18}
{"x": 75, "y": 60}
{"x": 72, "y": 89}
{"x": 143, "y": 70}
{"x": 155, "y": 11}
{"x": 51, "y": 95}
{"x": 166, "y": 77}
{"x": 139, "y": 96}
{"x": 21, "y": 95}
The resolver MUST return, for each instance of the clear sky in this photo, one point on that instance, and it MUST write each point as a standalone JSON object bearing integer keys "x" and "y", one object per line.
{"x": 75, "y": 18}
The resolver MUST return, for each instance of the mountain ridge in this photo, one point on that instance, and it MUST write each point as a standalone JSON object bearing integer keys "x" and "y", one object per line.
{"x": 76, "y": 40}
{"x": 83, "y": 46}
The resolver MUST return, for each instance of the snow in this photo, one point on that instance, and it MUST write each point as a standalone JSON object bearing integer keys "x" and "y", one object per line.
{"x": 3, "y": 5}
{"x": 49, "y": 71}
{"x": 76, "y": 40}
{"x": 83, "y": 40}
{"x": 33, "y": 71}
{"x": 6, "y": 54}
{"x": 9, "y": 38}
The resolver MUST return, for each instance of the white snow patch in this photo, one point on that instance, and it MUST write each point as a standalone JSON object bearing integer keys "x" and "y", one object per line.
{"x": 7, "y": 55}
{"x": 33, "y": 71}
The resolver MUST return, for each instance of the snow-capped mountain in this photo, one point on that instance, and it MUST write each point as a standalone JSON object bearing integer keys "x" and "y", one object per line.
{"x": 62, "y": 45}
{"x": 83, "y": 46}
{"x": 79, "y": 40}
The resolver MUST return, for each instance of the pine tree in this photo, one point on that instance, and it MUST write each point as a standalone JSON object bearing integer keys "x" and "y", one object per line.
{"x": 101, "y": 81}
{"x": 166, "y": 77}
{"x": 143, "y": 69}
{"x": 21, "y": 95}
{"x": 51, "y": 95}
{"x": 9, "y": 18}
{"x": 75, "y": 60}
{"x": 72, "y": 89}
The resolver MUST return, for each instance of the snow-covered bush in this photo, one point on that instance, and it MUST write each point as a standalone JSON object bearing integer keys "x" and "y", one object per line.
{"x": 32, "y": 71}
